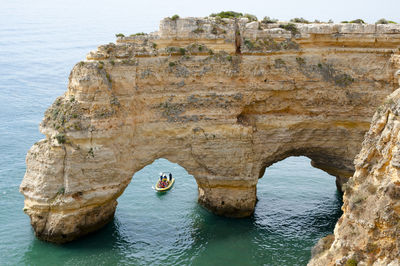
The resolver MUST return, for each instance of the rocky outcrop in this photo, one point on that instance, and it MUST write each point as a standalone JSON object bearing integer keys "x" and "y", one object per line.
{"x": 223, "y": 98}
{"x": 368, "y": 233}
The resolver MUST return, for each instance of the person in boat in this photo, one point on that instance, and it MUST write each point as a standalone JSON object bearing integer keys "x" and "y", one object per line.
{"x": 161, "y": 182}
{"x": 170, "y": 176}
{"x": 165, "y": 180}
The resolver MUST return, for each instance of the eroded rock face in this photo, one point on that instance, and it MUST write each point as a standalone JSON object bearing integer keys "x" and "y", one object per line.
{"x": 369, "y": 230}
{"x": 222, "y": 98}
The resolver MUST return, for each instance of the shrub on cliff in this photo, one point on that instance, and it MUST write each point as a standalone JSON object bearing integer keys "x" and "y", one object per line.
{"x": 268, "y": 20}
{"x": 250, "y": 17}
{"x": 330, "y": 74}
{"x": 182, "y": 51}
{"x": 119, "y": 35}
{"x": 60, "y": 138}
{"x": 357, "y": 21}
{"x": 174, "y": 17}
{"x": 138, "y": 34}
{"x": 171, "y": 49}
{"x": 290, "y": 27}
{"x": 108, "y": 77}
{"x": 301, "y": 61}
{"x": 319, "y": 21}
{"x": 300, "y": 20}
{"x": 227, "y": 14}
{"x": 61, "y": 191}
{"x": 351, "y": 262}
{"x": 384, "y": 21}
{"x": 217, "y": 30}
{"x": 249, "y": 44}
{"x": 198, "y": 30}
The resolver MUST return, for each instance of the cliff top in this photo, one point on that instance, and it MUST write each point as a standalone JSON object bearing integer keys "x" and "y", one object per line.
{"x": 180, "y": 36}
{"x": 216, "y": 27}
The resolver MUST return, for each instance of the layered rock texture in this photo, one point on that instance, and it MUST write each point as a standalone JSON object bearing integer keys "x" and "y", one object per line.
{"x": 223, "y": 98}
{"x": 368, "y": 233}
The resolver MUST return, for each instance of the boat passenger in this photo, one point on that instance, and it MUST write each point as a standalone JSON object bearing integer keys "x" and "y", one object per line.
{"x": 170, "y": 176}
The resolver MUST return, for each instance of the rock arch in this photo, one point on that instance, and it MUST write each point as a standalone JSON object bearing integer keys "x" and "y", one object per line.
{"x": 185, "y": 95}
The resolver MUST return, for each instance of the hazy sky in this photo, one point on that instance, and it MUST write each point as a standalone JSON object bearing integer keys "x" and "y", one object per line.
{"x": 338, "y": 10}
{"x": 149, "y": 12}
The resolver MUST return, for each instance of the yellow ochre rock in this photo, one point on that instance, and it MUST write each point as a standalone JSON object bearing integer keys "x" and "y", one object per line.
{"x": 223, "y": 98}
{"x": 368, "y": 232}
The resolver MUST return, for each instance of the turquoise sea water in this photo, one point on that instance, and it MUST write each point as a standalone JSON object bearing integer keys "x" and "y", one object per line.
{"x": 40, "y": 41}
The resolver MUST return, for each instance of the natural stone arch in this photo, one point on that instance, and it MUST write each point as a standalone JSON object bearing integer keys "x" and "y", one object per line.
{"x": 330, "y": 161}
{"x": 222, "y": 116}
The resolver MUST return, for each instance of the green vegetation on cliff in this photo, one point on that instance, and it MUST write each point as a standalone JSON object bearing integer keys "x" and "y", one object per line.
{"x": 227, "y": 14}
{"x": 357, "y": 21}
{"x": 384, "y": 21}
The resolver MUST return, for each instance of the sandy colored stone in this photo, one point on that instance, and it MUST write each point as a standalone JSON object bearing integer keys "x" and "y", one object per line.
{"x": 221, "y": 99}
{"x": 369, "y": 230}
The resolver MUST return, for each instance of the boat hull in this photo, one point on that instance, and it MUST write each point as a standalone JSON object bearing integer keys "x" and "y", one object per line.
{"x": 170, "y": 185}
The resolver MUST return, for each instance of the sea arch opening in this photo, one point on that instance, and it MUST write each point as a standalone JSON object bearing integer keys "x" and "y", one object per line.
{"x": 143, "y": 184}
{"x": 331, "y": 162}
{"x": 145, "y": 227}
{"x": 297, "y": 204}
{"x": 173, "y": 223}
{"x": 152, "y": 226}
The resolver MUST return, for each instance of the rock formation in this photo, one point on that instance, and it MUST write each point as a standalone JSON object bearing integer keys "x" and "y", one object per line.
{"x": 368, "y": 233}
{"x": 223, "y": 98}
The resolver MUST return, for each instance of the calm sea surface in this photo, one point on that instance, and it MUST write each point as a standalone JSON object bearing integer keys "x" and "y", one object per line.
{"x": 40, "y": 41}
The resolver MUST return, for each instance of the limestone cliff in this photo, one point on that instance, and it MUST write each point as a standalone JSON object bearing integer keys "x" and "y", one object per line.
{"x": 368, "y": 233}
{"x": 223, "y": 98}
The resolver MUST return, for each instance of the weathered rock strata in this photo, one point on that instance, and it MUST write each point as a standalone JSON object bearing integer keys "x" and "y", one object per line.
{"x": 368, "y": 233}
{"x": 223, "y": 98}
